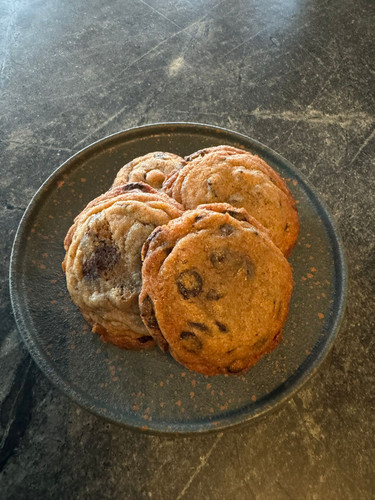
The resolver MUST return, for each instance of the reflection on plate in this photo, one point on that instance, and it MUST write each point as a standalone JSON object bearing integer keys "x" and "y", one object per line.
{"x": 149, "y": 390}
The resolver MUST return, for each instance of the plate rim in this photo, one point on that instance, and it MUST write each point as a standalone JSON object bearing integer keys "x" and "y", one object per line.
{"x": 275, "y": 398}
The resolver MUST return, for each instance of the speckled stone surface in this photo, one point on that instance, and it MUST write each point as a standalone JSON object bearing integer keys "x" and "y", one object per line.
{"x": 297, "y": 76}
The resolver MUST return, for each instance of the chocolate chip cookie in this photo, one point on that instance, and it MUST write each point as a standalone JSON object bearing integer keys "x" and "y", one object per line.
{"x": 151, "y": 168}
{"x": 215, "y": 290}
{"x": 103, "y": 259}
{"x": 231, "y": 175}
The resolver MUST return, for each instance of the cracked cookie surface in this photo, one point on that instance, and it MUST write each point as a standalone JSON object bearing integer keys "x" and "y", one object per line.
{"x": 103, "y": 260}
{"x": 215, "y": 289}
{"x": 231, "y": 175}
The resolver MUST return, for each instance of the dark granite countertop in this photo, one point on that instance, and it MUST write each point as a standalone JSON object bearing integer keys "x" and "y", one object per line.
{"x": 295, "y": 75}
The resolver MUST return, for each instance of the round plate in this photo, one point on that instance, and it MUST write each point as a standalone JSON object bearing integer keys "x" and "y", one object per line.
{"x": 149, "y": 390}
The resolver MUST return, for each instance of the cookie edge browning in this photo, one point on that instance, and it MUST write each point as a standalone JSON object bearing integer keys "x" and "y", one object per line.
{"x": 129, "y": 342}
{"x": 120, "y": 193}
{"x": 157, "y": 242}
{"x": 162, "y": 238}
{"x": 240, "y": 214}
{"x": 210, "y": 370}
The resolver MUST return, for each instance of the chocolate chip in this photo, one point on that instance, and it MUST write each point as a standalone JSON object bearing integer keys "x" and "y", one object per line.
{"x": 221, "y": 326}
{"x": 213, "y": 295}
{"x": 189, "y": 284}
{"x": 286, "y": 227}
{"x": 236, "y": 215}
{"x": 218, "y": 257}
{"x": 148, "y": 241}
{"x": 226, "y": 229}
{"x": 198, "y": 218}
{"x": 199, "y": 326}
{"x": 136, "y": 185}
{"x": 144, "y": 339}
{"x": 154, "y": 233}
{"x": 210, "y": 188}
{"x": 148, "y": 313}
{"x": 103, "y": 258}
{"x": 190, "y": 341}
{"x": 197, "y": 154}
{"x": 127, "y": 289}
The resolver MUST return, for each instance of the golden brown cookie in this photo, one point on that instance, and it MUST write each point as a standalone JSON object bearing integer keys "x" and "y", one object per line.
{"x": 103, "y": 259}
{"x": 215, "y": 289}
{"x": 152, "y": 169}
{"x": 231, "y": 175}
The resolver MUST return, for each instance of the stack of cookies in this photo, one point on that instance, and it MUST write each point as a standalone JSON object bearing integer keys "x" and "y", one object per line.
{"x": 189, "y": 254}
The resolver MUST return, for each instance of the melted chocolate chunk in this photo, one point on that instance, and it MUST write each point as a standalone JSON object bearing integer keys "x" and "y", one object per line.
{"x": 103, "y": 258}
{"x": 190, "y": 341}
{"x": 236, "y": 215}
{"x": 213, "y": 295}
{"x": 199, "y": 326}
{"x": 136, "y": 185}
{"x": 286, "y": 227}
{"x": 144, "y": 339}
{"x": 148, "y": 241}
{"x": 226, "y": 229}
{"x": 189, "y": 284}
{"x": 198, "y": 218}
{"x": 148, "y": 313}
{"x": 154, "y": 233}
{"x": 221, "y": 327}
